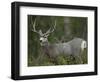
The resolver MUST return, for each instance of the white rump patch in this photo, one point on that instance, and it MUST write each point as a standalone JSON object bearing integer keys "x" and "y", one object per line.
{"x": 83, "y": 45}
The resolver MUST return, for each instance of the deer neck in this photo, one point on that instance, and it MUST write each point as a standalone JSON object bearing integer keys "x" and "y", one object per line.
{"x": 46, "y": 44}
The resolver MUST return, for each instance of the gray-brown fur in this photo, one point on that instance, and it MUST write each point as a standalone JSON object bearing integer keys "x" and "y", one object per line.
{"x": 72, "y": 47}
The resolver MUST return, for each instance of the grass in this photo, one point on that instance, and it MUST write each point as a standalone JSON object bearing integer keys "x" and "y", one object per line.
{"x": 44, "y": 60}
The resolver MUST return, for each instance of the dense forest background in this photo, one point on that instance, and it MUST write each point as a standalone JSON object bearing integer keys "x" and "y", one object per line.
{"x": 67, "y": 28}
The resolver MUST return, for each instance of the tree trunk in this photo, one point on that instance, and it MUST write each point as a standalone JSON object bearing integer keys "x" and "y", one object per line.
{"x": 67, "y": 30}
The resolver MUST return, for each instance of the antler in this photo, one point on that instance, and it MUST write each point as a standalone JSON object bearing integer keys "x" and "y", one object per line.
{"x": 50, "y": 31}
{"x": 33, "y": 24}
{"x": 34, "y": 30}
{"x": 40, "y": 32}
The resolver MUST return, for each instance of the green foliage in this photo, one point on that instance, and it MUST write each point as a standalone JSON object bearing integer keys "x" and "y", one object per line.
{"x": 78, "y": 28}
{"x": 59, "y": 60}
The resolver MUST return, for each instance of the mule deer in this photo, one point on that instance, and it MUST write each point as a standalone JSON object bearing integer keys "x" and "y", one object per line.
{"x": 73, "y": 47}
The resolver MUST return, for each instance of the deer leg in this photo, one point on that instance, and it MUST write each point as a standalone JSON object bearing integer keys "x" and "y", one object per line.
{"x": 80, "y": 59}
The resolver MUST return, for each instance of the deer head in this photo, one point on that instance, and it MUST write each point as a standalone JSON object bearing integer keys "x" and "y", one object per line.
{"x": 43, "y": 36}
